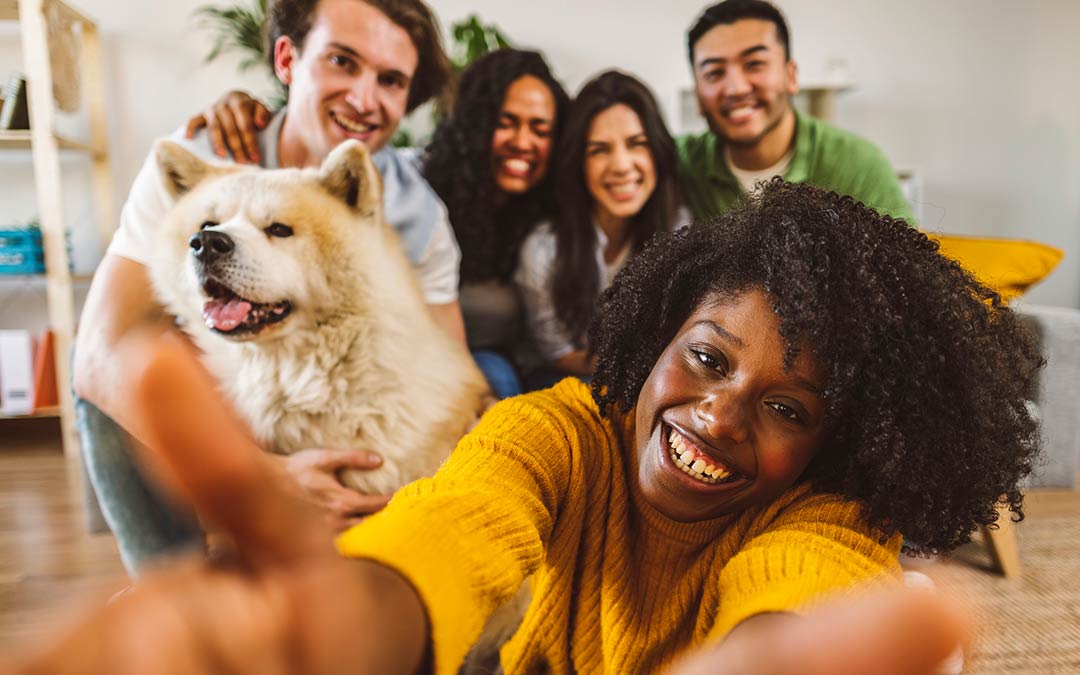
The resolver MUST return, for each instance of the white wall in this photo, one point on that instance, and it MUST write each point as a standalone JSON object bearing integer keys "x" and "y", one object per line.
{"x": 980, "y": 96}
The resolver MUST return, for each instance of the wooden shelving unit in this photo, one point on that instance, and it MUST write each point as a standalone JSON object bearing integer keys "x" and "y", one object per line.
{"x": 45, "y": 145}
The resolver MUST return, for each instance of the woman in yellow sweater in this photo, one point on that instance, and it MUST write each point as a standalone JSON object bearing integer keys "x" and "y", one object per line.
{"x": 780, "y": 397}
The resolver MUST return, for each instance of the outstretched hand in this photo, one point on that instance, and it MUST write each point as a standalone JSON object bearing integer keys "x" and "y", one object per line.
{"x": 233, "y": 122}
{"x": 287, "y": 603}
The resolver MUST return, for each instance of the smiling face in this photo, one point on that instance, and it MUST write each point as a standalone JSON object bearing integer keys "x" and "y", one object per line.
{"x": 350, "y": 79}
{"x": 720, "y": 424}
{"x": 521, "y": 144}
{"x": 744, "y": 80}
{"x": 619, "y": 169}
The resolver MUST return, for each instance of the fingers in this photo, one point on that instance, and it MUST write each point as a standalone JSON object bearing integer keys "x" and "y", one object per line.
{"x": 215, "y": 131}
{"x": 243, "y": 114}
{"x": 194, "y": 124}
{"x": 215, "y": 463}
{"x": 895, "y": 633}
{"x": 336, "y": 460}
{"x": 228, "y": 123}
{"x": 262, "y": 115}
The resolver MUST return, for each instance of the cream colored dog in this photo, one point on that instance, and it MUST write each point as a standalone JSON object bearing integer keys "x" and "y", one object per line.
{"x": 305, "y": 308}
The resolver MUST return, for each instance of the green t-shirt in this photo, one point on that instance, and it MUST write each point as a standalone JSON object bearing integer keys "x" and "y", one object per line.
{"x": 824, "y": 156}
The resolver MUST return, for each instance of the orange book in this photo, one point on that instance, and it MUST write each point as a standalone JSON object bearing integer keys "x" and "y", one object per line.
{"x": 45, "y": 393}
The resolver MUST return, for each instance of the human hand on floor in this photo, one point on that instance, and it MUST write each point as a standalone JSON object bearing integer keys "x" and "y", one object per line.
{"x": 233, "y": 122}
{"x": 893, "y": 632}
{"x": 315, "y": 472}
{"x": 286, "y": 602}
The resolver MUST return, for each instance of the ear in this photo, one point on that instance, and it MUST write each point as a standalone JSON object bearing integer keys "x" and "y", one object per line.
{"x": 284, "y": 56}
{"x": 792, "y": 76}
{"x": 180, "y": 170}
{"x": 349, "y": 174}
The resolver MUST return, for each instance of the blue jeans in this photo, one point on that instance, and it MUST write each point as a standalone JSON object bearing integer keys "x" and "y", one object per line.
{"x": 500, "y": 373}
{"x": 147, "y": 527}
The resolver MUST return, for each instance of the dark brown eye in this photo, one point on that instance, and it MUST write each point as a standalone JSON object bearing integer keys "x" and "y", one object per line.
{"x": 279, "y": 230}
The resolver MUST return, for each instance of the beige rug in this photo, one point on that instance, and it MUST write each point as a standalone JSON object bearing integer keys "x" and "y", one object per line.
{"x": 1030, "y": 624}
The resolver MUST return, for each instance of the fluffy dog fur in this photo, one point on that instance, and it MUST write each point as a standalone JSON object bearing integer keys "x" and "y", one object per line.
{"x": 356, "y": 360}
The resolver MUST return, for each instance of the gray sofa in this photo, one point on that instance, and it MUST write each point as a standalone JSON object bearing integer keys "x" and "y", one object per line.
{"x": 1058, "y": 398}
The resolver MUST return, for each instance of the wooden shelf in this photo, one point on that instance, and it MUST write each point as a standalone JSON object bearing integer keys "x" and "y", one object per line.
{"x": 20, "y": 140}
{"x": 41, "y": 413}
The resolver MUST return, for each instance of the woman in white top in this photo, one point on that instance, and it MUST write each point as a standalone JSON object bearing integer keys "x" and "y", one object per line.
{"x": 615, "y": 186}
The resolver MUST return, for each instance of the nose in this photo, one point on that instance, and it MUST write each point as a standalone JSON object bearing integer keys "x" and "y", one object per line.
{"x": 362, "y": 94}
{"x": 620, "y": 160}
{"x": 210, "y": 245}
{"x": 522, "y": 139}
{"x": 736, "y": 83}
{"x": 724, "y": 417}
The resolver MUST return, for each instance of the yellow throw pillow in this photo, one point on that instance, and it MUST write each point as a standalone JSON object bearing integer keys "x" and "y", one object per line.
{"x": 1009, "y": 266}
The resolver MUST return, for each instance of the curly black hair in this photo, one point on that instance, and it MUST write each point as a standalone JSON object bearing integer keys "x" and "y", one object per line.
{"x": 457, "y": 164}
{"x": 928, "y": 373}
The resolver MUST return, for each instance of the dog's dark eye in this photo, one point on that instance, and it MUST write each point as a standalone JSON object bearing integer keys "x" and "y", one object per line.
{"x": 207, "y": 224}
{"x": 278, "y": 230}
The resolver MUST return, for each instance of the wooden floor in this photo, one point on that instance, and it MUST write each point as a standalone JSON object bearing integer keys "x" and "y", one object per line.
{"x": 50, "y": 569}
{"x": 48, "y": 564}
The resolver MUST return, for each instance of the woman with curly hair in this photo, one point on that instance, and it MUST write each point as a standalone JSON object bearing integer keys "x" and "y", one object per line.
{"x": 615, "y": 174}
{"x": 781, "y": 397}
{"x": 489, "y": 162}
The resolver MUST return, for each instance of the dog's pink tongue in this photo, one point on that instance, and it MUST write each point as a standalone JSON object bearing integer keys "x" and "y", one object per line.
{"x": 225, "y": 316}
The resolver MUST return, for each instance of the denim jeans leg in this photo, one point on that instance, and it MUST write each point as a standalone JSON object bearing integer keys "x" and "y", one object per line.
{"x": 500, "y": 373}
{"x": 146, "y": 527}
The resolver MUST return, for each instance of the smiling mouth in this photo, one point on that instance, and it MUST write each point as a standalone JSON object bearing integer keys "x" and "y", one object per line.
{"x": 515, "y": 166}
{"x": 229, "y": 314}
{"x": 352, "y": 126}
{"x": 696, "y": 464}
{"x": 739, "y": 113}
{"x": 624, "y": 191}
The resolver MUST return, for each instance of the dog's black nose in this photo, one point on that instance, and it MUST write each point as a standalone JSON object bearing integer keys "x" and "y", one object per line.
{"x": 210, "y": 245}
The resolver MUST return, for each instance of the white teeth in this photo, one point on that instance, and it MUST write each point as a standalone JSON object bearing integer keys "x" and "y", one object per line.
{"x": 355, "y": 127}
{"x": 741, "y": 112}
{"x": 684, "y": 458}
{"x": 623, "y": 190}
{"x": 516, "y": 165}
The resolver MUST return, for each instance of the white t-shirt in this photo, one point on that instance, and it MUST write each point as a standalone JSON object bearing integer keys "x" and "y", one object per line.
{"x": 534, "y": 274}
{"x": 410, "y": 206}
{"x": 747, "y": 179}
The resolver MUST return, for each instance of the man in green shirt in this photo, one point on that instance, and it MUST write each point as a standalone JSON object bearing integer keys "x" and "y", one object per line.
{"x": 745, "y": 79}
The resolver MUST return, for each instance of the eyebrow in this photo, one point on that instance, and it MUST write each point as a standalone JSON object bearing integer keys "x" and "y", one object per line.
{"x": 722, "y": 333}
{"x": 530, "y": 120}
{"x": 719, "y": 60}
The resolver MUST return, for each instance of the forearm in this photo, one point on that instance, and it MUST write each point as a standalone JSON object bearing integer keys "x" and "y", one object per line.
{"x": 120, "y": 303}
{"x": 449, "y": 318}
{"x": 395, "y": 620}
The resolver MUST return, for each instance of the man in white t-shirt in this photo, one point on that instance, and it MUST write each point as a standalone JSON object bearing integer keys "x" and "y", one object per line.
{"x": 354, "y": 68}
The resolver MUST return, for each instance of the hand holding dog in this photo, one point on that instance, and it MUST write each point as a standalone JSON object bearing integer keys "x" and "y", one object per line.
{"x": 315, "y": 472}
{"x": 233, "y": 122}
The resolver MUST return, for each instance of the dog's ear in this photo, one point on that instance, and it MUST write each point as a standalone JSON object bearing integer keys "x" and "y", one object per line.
{"x": 349, "y": 174}
{"x": 180, "y": 170}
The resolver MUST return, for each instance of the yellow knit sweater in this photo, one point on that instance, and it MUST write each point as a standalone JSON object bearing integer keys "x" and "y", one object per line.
{"x": 544, "y": 486}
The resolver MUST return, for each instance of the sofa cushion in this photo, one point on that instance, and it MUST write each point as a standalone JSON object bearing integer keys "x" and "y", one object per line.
{"x": 1009, "y": 266}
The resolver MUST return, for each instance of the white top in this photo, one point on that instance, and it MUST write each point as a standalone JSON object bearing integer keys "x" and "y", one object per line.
{"x": 410, "y": 206}
{"x": 534, "y": 275}
{"x": 747, "y": 179}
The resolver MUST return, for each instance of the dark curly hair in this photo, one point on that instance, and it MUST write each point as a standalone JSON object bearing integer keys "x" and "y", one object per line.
{"x": 576, "y": 283}
{"x": 457, "y": 164}
{"x": 927, "y": 372}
